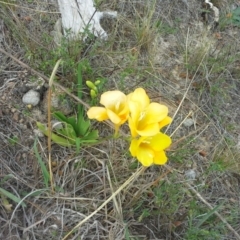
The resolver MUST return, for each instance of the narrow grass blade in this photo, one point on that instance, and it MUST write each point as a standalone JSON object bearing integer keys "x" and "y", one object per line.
{"x": 209, "y": 214}
{"x": 11, "y": 196}
{"x": 46, "y": 175}
{"x": 6, "y": 178}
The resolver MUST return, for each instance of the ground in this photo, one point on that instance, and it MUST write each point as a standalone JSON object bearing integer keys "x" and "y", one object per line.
{"x": 183, "y": 60}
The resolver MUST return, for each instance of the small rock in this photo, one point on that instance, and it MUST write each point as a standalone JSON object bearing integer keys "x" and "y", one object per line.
{"x": 16, "y": 116}
{"x": 31, "y": 97}
{"x": 188, "y": 122}
{"x": 190, "y": 174}
{"x": 22, "y": 126}
{"x": 13, "y": 110}
{"x": 38, "y": 133}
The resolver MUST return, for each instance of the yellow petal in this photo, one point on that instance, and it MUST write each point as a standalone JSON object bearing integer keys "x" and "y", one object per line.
{"x": 160, "y": 158}
{"x": 113, "y": 99}
{"x": 132, "y": 127}
{"x": 148, "y": 130}
{"x": 134, "y": 147}
{"x": 155, "y": 113}
{"x": 113, "y": 117}
{"x": 135, "y": 110}
{"x": 167, "y": 120}
{"x": 139, "y": 96}
{"x": 98, "y": 113}
{"x": 160, "y": 142}
{"x": 145, "y": 155}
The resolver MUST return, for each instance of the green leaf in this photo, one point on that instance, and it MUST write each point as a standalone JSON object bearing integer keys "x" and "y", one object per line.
{"x": 83, "y": 126}
{"x": 12, "y": 197}
{"x": 46, "y": 175}
{"x": 60, "y": 116}
{"x": 78, "y": 145}
{"x": 55, "y": 138}
{"x": 67, "y": 132}
{"x": 93, "y": 135}
{"x": 204, "y": 219}
{"x": 73, "y": 121}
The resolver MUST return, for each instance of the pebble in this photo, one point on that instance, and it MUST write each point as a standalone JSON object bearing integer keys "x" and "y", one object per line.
{"x": 38, "y": 133}
{"x": 188, "y": 122}
{"x": 190, "y": 174}
{"x": 16, "y": 116}
{"x": 31, "y": 97}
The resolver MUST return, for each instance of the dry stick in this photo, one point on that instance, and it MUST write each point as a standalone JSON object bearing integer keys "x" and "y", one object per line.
{"x": 49, "y": 122}
{"x": 125, "y": 184}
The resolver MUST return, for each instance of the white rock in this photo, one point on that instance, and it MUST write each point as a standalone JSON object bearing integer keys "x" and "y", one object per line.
{"x": 190, "y": 174}
{"x": 79, "y": 15}
{"x": 31, "y": 97}
{"x": 38, "y": 133}
{"x": 188, "y": 122}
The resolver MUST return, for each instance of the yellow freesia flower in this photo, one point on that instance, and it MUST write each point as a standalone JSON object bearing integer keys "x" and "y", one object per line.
{"x": 146, "y": 119}
{"x": 150, "y": 150}
{"x": 115, "y": 108}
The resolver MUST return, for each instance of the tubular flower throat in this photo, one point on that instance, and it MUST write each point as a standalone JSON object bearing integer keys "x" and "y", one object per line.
{"x": 150, "y": 150}
{"x": 146, "y": 119}
{"x": 115, "y": 108}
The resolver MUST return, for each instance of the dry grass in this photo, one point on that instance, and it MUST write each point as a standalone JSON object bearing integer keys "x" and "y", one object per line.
{"x": 164, "y": 47}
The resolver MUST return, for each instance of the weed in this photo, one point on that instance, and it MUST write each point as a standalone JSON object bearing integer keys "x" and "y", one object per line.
{"x": 75, "y": 131}
{"x": 13, "y": 140}
{"x": 45, "y": 173}
{"x": 5, "y": 195}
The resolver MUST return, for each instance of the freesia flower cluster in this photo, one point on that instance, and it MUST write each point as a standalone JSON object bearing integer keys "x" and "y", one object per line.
{"x": 145, "y": 120}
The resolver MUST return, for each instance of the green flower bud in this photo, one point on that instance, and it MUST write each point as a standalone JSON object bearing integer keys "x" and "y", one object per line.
{"x": 97, "y": 82}
{"x": 93, "y": 94}
{"x": 91, "y": 85}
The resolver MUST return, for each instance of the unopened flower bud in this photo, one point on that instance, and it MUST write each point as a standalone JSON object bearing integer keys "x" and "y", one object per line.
{"x": 97, "y": 82}
{"x": 93, "y": 94}
{"x": 91, "y": 85}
